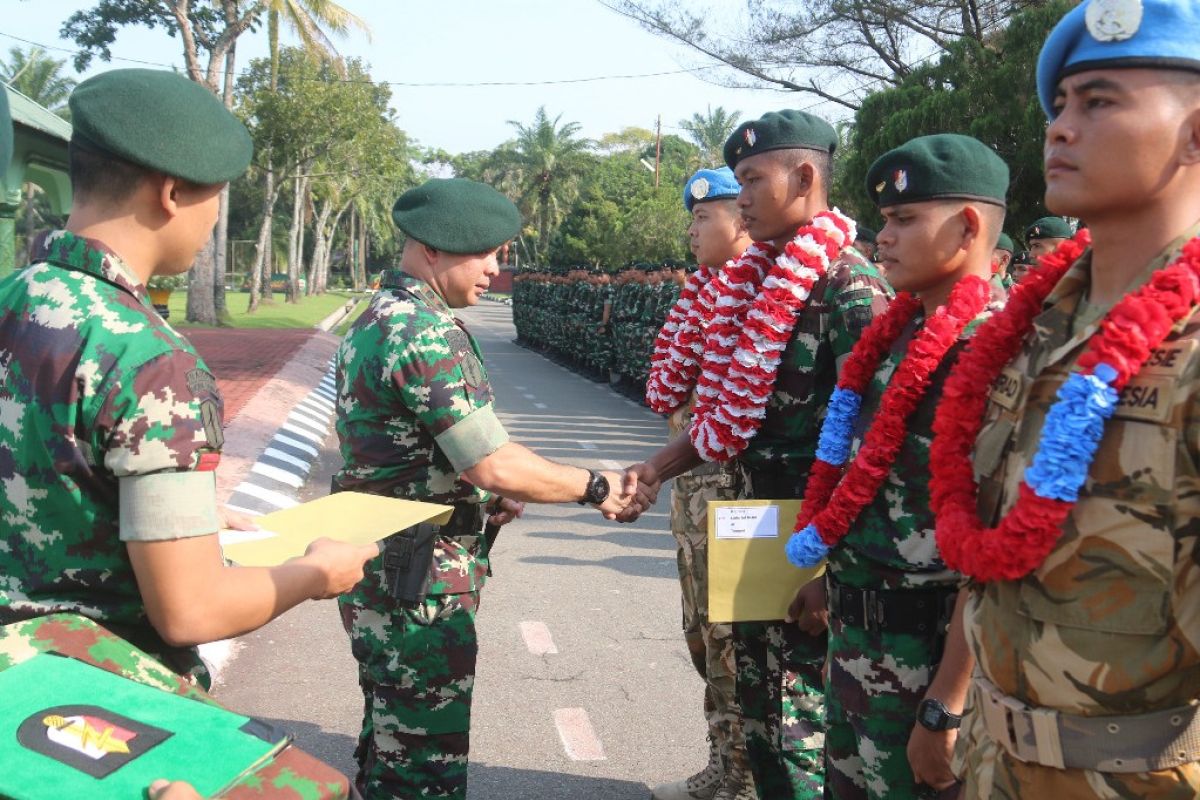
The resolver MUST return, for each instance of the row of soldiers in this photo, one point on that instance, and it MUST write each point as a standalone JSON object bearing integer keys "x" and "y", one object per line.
{"x": 600, "y": 324}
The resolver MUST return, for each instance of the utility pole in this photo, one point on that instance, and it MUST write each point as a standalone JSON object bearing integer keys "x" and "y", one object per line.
{"x": 657, "y": 148}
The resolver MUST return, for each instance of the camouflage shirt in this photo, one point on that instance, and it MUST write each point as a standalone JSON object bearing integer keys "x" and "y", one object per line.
{"x": 110, "y": 427}
{"x": 1110, "y": 622}
{"x": 842, "y": 304}
{"x": 414, "y": 410}
{"x": 891, "y": 544}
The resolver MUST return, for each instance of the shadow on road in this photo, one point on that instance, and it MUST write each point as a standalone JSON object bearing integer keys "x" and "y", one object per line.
{"x": 490, "y": 781}
{"x": 640, "y": 566}
{"x": 640, "y": 540}
{"x": 335, "y": 749}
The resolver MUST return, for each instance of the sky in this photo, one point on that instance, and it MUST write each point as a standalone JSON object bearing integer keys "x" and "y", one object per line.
{"x": 474, "y": 42}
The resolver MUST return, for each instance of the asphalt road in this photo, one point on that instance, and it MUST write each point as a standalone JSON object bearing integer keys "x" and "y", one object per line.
{"x": 584, "y": 688}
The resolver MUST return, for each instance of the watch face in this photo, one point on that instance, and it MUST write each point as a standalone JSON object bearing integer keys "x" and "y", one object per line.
{"x": 931, "y": 716}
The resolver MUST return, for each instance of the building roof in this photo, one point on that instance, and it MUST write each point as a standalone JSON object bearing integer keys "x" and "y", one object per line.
{"x": 29, "y": 114}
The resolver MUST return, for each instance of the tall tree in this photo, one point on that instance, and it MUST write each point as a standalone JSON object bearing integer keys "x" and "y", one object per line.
{"x": 543, "y": 166}
{"x": 836, "y": 50}
{"x": 709, "y": 131}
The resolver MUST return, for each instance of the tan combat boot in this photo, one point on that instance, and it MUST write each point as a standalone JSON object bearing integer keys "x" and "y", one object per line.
{"x": 701, "y": 786}
{"x": 737, "y": 784}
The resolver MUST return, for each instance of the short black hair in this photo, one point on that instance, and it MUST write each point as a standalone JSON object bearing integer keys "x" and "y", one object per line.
{"x": 821, "y": 160}
{"x": 97, "y": 175}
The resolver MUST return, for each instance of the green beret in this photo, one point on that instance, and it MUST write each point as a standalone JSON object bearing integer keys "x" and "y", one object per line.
{"x": 456, "y": 215}
{"x": 942, "y": 166}
{"x": 6, "y": 133}
{"x": 1005, "y": 243}
{"x": 1049, "y": 228}
{"x": 780, "y": 130}
{"x": 161, "y": 121}
{"x": 865, "y": 234}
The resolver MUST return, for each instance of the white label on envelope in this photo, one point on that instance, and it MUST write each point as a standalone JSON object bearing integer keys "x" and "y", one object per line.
{"x": 748, "y": 522}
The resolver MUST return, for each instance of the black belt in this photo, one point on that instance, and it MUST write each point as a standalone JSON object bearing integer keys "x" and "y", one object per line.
{"x": 774, "y": 485}
{"x": 464, "y": 524}
{"x": 919, "y": 612}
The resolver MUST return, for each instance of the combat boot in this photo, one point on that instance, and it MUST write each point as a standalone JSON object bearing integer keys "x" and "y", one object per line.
{"x": 701, "y": 786}
{"x": 736, "y": 784}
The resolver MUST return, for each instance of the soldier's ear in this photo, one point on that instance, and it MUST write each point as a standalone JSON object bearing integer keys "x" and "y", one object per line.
{"x": 168, "y": 193}
{"x": 1190, "y": 133}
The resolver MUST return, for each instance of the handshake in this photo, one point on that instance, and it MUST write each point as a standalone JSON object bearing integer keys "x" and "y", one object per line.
{"x": 630, "y": 493}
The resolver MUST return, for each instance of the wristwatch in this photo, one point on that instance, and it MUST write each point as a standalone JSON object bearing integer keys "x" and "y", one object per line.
{"x": 597, "y": 489}
{"x": 933, "y": 715}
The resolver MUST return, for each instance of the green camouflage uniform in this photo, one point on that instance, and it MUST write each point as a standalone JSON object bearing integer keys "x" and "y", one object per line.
{"x": 1109, "y": 624}
{"x": 779, "y": 682}
{"x": 876, "y": 679}
{"x": 110, "y": 428}
{"x": 292, "y": 773}
{"x": 414, "y": 411}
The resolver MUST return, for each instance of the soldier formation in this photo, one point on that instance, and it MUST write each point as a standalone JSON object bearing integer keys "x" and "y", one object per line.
{"x": 998, "y": 455}
{"x": 600, "y": 324}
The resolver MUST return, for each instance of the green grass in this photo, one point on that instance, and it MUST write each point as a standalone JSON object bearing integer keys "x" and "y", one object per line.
{"x": 277, "y": 314}
{"x": 344, "y": 326}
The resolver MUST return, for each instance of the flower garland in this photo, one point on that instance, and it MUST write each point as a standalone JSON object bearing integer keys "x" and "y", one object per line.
{"x": 1073, "y": 427}
{"x": 742, "y": 355}
{"x": 666, "y": 388}
{"x": 832, "y": 501}
{"x": 718, "y": 310}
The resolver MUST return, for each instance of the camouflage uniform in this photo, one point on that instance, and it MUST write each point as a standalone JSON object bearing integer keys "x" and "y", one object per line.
{"x": 414, "y": 410}
{"x": 779, "y": 682}
{"x": 1109, "y": 624}
{"x": 876, "y": 679}
{"x": 292, "y": 773}
{"x": 107, "y": 417}
{"x": 710, "y": 644}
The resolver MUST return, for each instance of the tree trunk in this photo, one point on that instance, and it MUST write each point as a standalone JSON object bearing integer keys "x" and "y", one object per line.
{"x": 320, "y": 244}
{"x": 328, "y": 257}
{"x": 296, "y": 236}
{"x": 200, "y": 282}
{"x": 260, "y": 271}
{"x": 220, "y": 267}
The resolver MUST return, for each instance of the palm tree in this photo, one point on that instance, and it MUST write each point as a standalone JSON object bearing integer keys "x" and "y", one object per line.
{"x": 710, "y": 130}
{"x": 546, "y": 162}
{"x": 40, "y": 78}
{"x": 309, "y": 20}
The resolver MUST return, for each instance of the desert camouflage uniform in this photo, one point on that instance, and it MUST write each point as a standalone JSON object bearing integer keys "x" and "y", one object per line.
{"x": 291, "y": 774}
{"x": 1109, "y": 624}
{"x": 876, "y": 679}
{"x": 709, "y": 644}
{"x": 779, "y": 682}
{"x": 414, "y": 410}
{"x": 110, "y": 427}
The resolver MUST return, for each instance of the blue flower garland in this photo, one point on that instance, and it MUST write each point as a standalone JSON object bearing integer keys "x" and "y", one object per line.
{"x": 1071, "y": 434}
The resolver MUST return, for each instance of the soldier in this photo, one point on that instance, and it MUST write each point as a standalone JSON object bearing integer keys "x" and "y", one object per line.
{"x": 1002, "y": 257}
{"x": 783, "y": 162}
{"x": 112, "y": 422}
{"x": 715, "y": 236}
{"x": 1046, "y": 234}
{"x": 415, "y": 420}
{"x": 942, "y": 201}
{"x": 865, "y": 243}
{"x": 1082, "y": 538}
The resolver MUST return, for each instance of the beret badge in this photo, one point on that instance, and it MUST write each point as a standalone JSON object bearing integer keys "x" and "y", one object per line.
{"x": 1113, "y": 20}
{"x": 750, "y": 136}
{"x": 699, "y": 188}
{"x": 900, "y": 179}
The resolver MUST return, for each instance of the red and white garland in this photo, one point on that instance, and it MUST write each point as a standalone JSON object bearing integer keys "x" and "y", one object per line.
{"x": 749, "y": 332}
{"x": 683, "y": 323}
{"x": 711, "y": 331}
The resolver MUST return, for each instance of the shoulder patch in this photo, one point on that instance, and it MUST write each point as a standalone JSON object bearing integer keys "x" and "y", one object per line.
{"x": 201, "y": 382}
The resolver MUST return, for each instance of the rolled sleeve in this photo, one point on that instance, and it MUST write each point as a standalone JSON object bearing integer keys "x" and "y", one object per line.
{"x": 167, "y": 505}
{"x": 473, "y": 438}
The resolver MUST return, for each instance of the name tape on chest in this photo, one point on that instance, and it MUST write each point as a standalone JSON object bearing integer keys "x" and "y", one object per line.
{"x": 460, "y": 345}
{"x": 1172, "y": 358}
{"x": 1146, "y": 398}
{"x": 1008, "y": 389}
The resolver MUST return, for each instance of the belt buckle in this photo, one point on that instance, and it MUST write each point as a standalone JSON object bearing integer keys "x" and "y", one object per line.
{"x": 872, "y": 610}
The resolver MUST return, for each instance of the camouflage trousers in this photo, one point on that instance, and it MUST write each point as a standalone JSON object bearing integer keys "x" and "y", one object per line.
{"x": 990, "y": 773}
{"x": 709, "y": 644}
{"x": 416, "y": 668}
{"x": 876, "y": 681}
{"x": 780, "y": 690}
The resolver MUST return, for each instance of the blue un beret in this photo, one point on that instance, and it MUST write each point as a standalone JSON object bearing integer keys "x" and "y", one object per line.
{"x": 1107, "y": 34}
{"x": 710, "y": 184}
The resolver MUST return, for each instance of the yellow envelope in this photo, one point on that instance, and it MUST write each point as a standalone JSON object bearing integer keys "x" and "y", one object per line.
{"x": 749, "y": 576}
{"x": 346, "y": 516}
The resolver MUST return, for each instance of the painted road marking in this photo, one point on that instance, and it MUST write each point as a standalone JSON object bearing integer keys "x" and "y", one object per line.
{"x": 578, "y": 738}
{"x": 298, "y": 463}
{"x": 304, "y": 432}
{"x": 529, "y": 396}
{"x": 274, "y": 498}
{"x": 540, "y": 405}
{"x": 305, "y": 446}
{"x": 277, "y": 474}
{"x": 537, "y": 638}
{"x": 610, "y": 464}
{"x": 587, "y": 445}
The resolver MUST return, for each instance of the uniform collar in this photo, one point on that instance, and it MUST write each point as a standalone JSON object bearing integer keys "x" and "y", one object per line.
{"x": 398, "y": 279}
{"x": 65, "y": 249}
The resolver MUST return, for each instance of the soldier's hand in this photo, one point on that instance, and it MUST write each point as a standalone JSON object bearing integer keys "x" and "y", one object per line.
{"x": 929, "y": 754}
{"x": 341, "y": 564}
{"x": 237, "y": 522}
{"x": 808, "y": 609}
{"x": 172, "y": 790}
{"x": 622, "y": 490}
{"x": 505, "y": 511}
